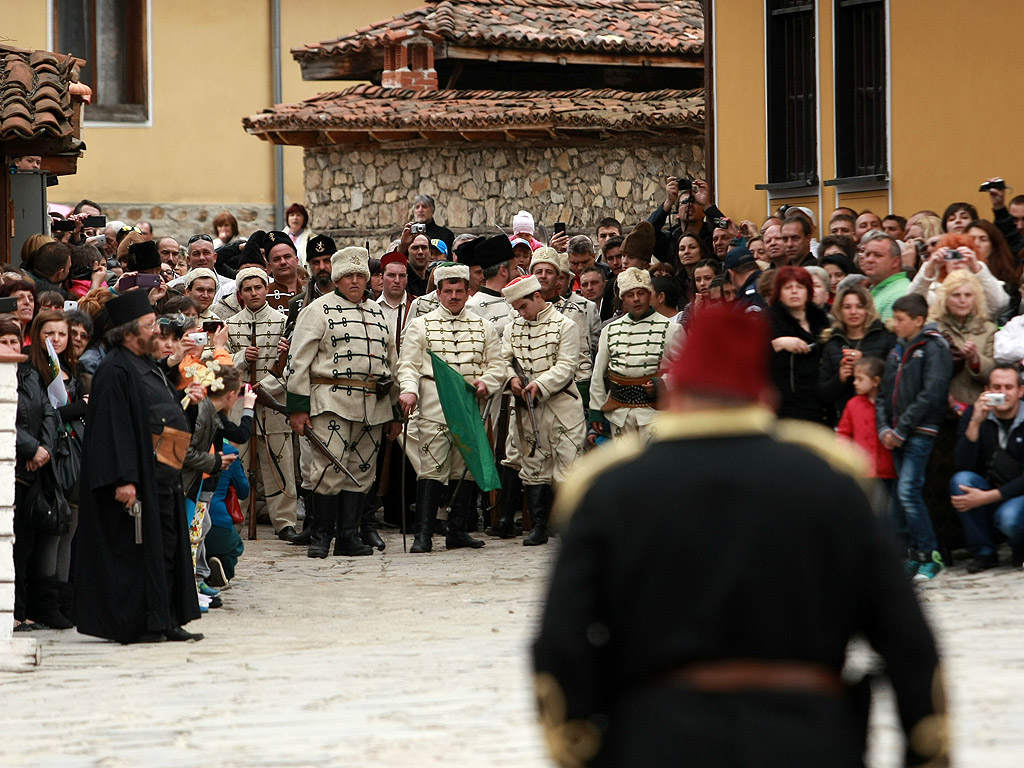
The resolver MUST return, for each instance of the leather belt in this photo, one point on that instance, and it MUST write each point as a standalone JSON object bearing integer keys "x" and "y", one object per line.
{"x": 170, "y": 446}
{"x": 370, "y": 384}
{"x": 738, "y": 675}
{"x": 627, "y": 392}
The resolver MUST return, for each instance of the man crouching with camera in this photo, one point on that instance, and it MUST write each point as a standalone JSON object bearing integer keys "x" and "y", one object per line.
{"x": 988, "y": 487}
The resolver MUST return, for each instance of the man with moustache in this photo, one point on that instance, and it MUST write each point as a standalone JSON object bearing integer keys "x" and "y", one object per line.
{"x": 255, "y": 340}
{"x": 470, "y": 346}
{"x": 626, "y": 382}
{"x": 340, "y": 368}
{"x": 319, "y": 250}
{"x": 283, "y": 261}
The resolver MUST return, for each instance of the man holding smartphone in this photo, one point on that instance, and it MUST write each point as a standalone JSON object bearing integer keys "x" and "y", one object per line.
{"x": 988, "y": 487}
{"x": 255, "y": 339}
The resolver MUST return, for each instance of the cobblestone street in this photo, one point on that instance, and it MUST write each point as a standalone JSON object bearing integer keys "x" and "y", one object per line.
{"x": 401, "y": 660}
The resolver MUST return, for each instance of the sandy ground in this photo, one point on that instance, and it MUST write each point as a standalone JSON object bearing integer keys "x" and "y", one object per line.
{"x": 402, "y": 660}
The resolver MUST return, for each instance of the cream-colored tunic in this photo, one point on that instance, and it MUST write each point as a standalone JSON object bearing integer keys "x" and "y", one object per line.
{"x": 548, "y": 350}
{"x": 491, "y": 308}
{"x": 468, "y": 344}
{"x": 578, "y": 314}
{"x": 634, "y": 349}
{"x": 276, "y": 486}
{"x": 334, "y": 339}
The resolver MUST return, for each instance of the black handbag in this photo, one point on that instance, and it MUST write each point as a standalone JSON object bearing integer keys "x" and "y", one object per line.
{"x": 66, "y": 459}
{"x": 46, "y": 505}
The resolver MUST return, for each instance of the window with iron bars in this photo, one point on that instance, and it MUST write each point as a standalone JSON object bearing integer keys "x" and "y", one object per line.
{"x": 860, "y": 88}
{"x": 792, "y": 92}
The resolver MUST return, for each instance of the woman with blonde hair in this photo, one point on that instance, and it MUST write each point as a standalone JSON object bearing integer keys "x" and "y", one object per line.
{"x": 857, "y": 332}
{"x": 954, "y": 252}
{"x": 961, "y": 313}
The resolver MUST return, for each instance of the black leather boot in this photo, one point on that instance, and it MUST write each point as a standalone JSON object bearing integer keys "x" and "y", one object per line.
{"x": 511, "y": 502}
{"x": 309, "y": 522}
{"x": 368, "y": 524}
{"x": 457, "y": 538}
{"x": 347, "y": 543}
{"x": 43, "y": 608}
{"x": 428, "y": 497}
{"x": 538, "y": 499}
{"x": 323, "y": 526}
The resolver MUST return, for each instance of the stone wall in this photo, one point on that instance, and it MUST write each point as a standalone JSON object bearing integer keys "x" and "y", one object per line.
{"x": 366, "y": 193}
{"x": 17, "y": 654}
{"x": 182, "y": 221}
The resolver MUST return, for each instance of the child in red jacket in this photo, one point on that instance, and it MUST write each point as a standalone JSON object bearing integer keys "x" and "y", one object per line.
{"x": 858, "y": 421}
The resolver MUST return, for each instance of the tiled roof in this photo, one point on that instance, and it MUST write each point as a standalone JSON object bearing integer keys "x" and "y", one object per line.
{"x": 37, "y": 91}
{"x": 607, "y": 26}
{"x": 373, "y": 113}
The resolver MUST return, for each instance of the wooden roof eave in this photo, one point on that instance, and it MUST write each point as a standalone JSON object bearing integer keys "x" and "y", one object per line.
{"x": 367, "y": 64}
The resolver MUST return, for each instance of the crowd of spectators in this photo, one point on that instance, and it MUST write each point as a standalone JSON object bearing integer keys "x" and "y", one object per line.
{"x": 902, "y": 333}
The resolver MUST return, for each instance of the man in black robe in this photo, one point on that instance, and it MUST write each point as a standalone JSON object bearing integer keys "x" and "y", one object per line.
{"x": 708, "y": 584}
{"x": 130, "y": 591}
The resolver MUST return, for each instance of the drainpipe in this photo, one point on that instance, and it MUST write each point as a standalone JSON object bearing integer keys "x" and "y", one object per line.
{"x": 275, "y": 25}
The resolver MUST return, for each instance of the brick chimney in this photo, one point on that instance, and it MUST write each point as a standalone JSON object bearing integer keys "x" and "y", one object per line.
{"x": 409, "y": 63}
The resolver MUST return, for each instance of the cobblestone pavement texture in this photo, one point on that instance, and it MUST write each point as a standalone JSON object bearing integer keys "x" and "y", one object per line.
{"x": 402, "y": 660}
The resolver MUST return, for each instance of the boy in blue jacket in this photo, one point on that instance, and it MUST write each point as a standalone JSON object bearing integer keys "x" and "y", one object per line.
{"x": 909, "y": 409}
{"x": 223, "y": 544}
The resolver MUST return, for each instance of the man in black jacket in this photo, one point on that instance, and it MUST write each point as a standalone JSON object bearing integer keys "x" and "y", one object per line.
{"x": 766, "y": 586}
{"x": 988, "y": 487}
{"x": 423, "y": 213}
{"x": 695, "y": 214}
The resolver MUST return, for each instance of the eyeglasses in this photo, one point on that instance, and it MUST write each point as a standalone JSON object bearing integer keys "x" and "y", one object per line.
{"x": 148, "y": 326}
{"x": 207, "y": 238}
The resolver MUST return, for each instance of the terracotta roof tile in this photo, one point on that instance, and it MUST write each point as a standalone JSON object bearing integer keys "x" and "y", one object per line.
{"x": 613, "y": 26}
{"x": 36, "y": 93}
{"x": 369, "y": 108}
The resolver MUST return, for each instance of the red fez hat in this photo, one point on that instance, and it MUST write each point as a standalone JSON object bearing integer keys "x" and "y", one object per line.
{"x": 725, "y": 352}
{"x": 395, "y": 257}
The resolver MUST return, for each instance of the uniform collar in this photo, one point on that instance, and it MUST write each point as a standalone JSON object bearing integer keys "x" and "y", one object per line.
{"x": 719, "y": 422}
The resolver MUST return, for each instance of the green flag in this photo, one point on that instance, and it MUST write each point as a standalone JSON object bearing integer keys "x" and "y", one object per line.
{"x": 458, "y": 401}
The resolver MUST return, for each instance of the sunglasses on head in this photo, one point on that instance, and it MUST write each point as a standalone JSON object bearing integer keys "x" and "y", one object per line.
{"x": 193, "y": 239}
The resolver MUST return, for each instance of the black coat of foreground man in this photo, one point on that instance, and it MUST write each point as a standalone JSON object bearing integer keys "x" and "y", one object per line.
{"x": 707, "y": 587}
{"x": 127, "y": 591}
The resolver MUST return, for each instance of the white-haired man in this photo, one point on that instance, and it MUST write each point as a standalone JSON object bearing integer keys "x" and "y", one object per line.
{"x": 340, "y": 370}
{"x": 625, "y": 386}
{"x": 469, "y": 344}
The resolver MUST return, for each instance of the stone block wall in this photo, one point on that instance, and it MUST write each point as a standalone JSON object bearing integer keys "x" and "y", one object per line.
{"x": 366, "y": 193}
{"x": 181, "y": 221}
{"x": 17, "y": 654}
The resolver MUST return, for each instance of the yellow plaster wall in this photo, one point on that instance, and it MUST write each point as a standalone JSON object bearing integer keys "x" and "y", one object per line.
{"x": 211, "y": 66}
{"x": 954, "y": 106}
{"x": 740, "y": 116}
{"x": 956, "y": 101}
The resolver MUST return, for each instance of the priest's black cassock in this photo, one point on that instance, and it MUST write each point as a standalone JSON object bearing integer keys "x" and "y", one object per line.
{"x": 124, "y": 589}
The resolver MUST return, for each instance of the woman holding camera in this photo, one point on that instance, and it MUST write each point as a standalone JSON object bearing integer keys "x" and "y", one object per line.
{"x": 954, "y": 252}
{"x": 857, "y": 333}
{"x": 962, "y": 316}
